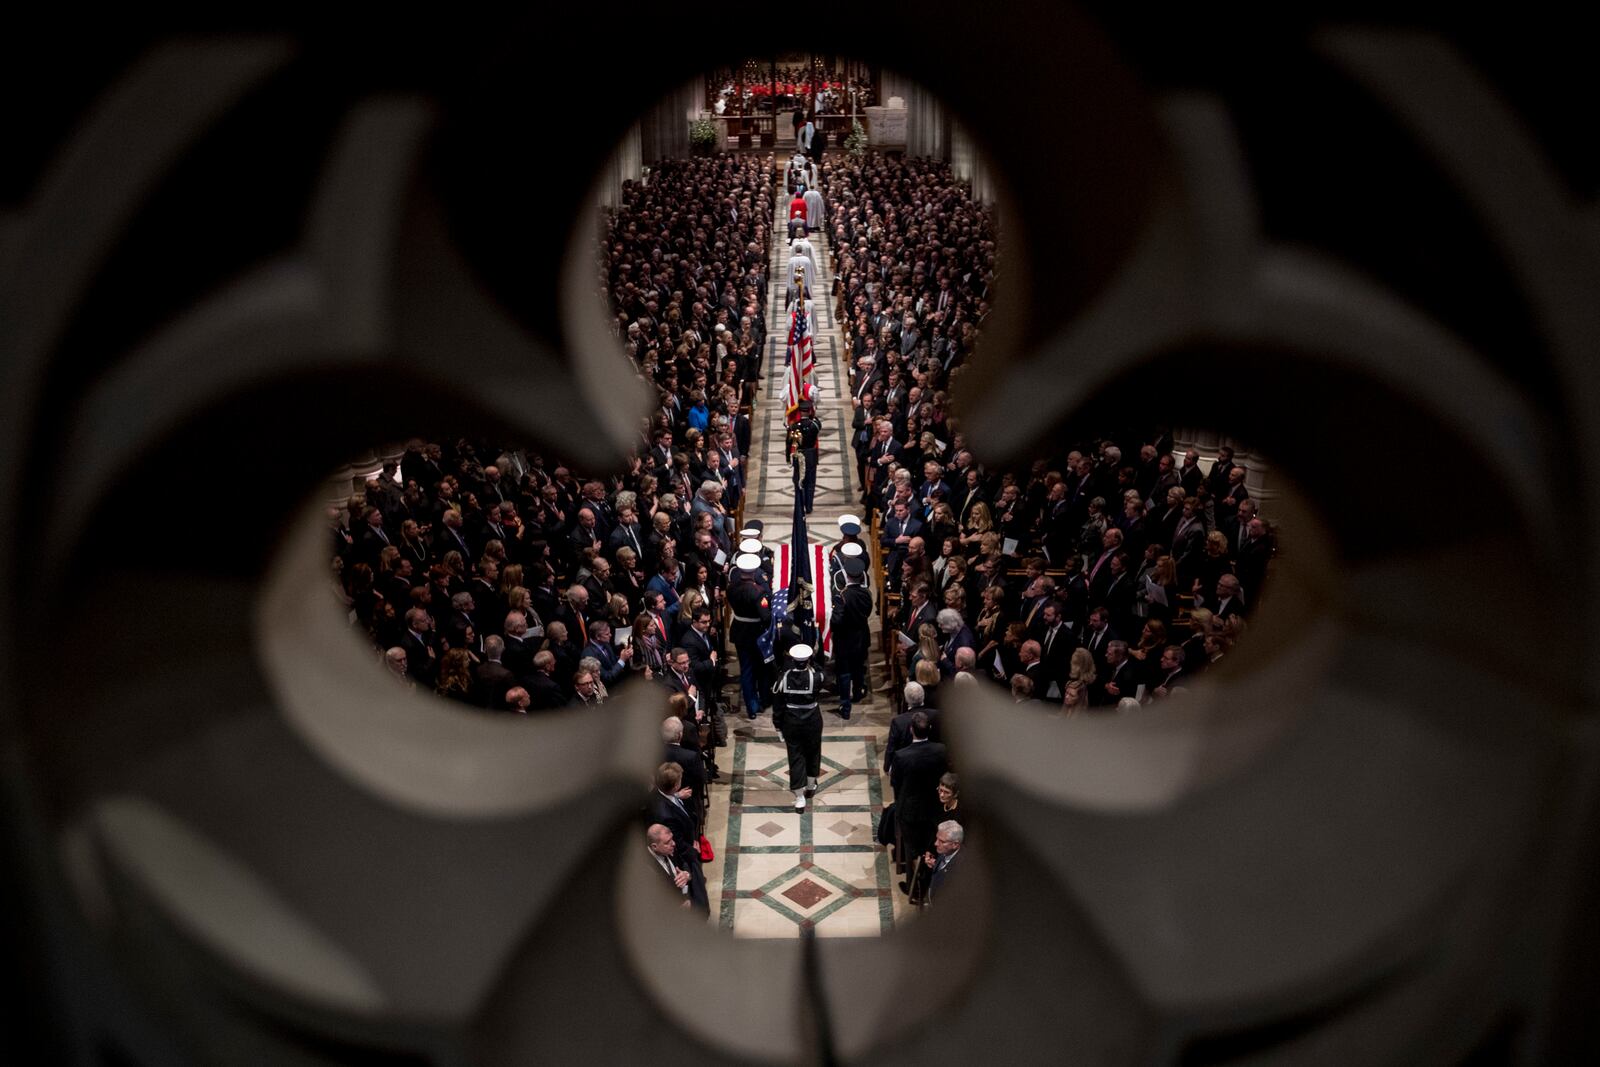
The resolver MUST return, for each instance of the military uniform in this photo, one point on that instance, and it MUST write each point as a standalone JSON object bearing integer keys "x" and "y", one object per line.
{"x": 852, "y": 637}
{"x": 753, "y": 529}
{"x": 798, "y": 718}
{"x": 803, "y": 437}
{"x": 752, "y": 616}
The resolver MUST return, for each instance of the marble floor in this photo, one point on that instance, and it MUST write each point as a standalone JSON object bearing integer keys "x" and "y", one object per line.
{"x": 779, "y": 872}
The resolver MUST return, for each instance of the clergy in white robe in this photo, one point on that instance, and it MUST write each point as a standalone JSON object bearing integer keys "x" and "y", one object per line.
{"x": 802, "y": 247}
{"x": 813, "y": 208}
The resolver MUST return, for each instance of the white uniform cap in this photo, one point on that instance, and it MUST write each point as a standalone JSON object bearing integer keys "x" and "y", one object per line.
{"x": 751, "y": 545}
{"x": 747, "y": 562}
{"x": 799, "y": 653}
{"x": 850, "y": 548}
{"x": 843, "y": 519}
{"x": 749, "y": 531}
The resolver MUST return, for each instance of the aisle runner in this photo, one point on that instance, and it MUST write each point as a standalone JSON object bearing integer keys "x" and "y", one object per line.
{"x": 778, "y": 872}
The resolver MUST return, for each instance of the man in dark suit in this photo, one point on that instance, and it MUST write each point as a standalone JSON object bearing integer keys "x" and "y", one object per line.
{"x": 946, "y": 847}
{"x": 1032, "y": 667}
{"x": 422, "y": 648}
{"x": 899, "y": 527}
{"x": 373, "y": 539}
{"x": 690, "y": 762}
{"x": 1237, "y": 492}
{"x": 1189, "y": 533}
{"x": 544, "y": 692}
{"x": 900, "y": 725}
{"x": 626, "y": 534}
{"x": 701, "y": 646}
{"x": 613, "y": 666}
{"x": 1117, "y": 679}
{"x": 586, "y": 534}
{"x": 1056, "y": 642}
{"x": 915, "y": 777}
{"x": 1217, "y": 480}
{"x": 519, "y": 651}
{"x": 1252, "y": 556}
{"x": 883, "y": 451}
{"x": 494, "y": 677}
{"x": 1228, "y": 600}
{"x": 918, "y": 609}
{"x": 669, "y": 807}
{"x": 663, "y": 847}
{"x": 1117, "y": 594}
{"x": 1096, "y": 574}
{"x": 1097, "y": 633}
{"x": 1189, "y": 475}
{"x": 449, "y": 537}
{"x": 1168, "y": 673}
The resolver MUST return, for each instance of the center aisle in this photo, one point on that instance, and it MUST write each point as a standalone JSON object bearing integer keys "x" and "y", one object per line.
{"x": 778, "y": 872}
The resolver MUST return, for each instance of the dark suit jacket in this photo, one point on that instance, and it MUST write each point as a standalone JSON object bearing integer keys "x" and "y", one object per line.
{"x": 421, "y": 668}
{"x": 1110, "y": 634}
{"x": 1125, "y": 674}
{"x": 943, "y": 867}
{"x": 914, "y": 619}
{"x": 661, "y": 872}
{"x": 1057, "y": 658}
{"x": 686, "y": 839}
{"x": 543, "y": 692}
{"x": 699, "y": 648}
{"x": 915, "y": 776}
{"x": 493, "y": 681}
{"x": 611, "y": 667}
{"x": 900, "y": 732}
{"x": 518, "y": 656}
{"x": 694, "y": 776}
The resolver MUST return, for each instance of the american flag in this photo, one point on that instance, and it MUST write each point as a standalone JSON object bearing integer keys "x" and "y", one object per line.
{"x": 798, "y": 359}
{"x": 821, "y": 603}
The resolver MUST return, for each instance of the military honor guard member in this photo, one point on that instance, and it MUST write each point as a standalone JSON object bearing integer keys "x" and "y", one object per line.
{"x": 751, "y": 599}
{"x": 798, "y": 717}
{"x": 852, "y": 638}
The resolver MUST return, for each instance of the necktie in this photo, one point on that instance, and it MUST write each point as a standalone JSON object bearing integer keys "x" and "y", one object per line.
{"x": 381, "y": 534}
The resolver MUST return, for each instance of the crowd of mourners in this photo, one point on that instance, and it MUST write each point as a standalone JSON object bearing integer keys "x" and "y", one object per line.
{"x": 1103, "y": 576}
{"x": 499, "y": 580}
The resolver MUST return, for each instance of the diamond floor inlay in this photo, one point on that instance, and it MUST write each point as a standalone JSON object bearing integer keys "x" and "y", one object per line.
{"x": 771, "y": 829}
{"x": 807, "y": 893}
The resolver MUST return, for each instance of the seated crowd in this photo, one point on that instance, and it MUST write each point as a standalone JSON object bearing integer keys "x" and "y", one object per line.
{"x": 1087, "y": 580}
{"x": 501, "y": 581}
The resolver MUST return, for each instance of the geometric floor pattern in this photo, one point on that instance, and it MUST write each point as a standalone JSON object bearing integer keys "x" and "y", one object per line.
{"x": 779, "y": 872}
{"x": 820, "y": 868}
